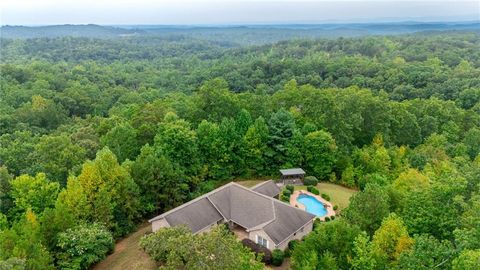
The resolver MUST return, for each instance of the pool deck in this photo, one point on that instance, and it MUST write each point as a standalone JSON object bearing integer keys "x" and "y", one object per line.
{"x": 327, "y": 204}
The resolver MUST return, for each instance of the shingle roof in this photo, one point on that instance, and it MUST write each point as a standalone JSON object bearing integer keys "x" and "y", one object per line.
{"x": 196, "y": 216}
{"x": 246, "y": 207}
{"x": 268, "y": 188}
{"x": 293, "y": 171}
{"x": 288, "y": 220}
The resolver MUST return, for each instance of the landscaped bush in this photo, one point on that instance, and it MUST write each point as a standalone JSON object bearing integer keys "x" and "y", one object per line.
{"x": 313, "y": 190}
{"x": 259, "y": 250}
{"x": 325, "y": 196}
{"x": 332, "y": 217}
{"x": 335, "y": 207}
{"x": 277, "y": 257}
{"x": 84, "y": 245}
{"x": 290, "y": 187}
{"x": 287, "y": 193}
{"x": 310, "y": 181}
{"x": 284, "y": 198}
{"x": 327, "y": 219}
{"x": 293, "y": 243}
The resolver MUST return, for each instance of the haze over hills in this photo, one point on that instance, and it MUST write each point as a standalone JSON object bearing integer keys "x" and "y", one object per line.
{"x": 250, "y": 34}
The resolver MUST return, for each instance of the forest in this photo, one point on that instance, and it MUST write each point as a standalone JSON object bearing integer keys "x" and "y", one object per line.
{"x": 98, "y": 135}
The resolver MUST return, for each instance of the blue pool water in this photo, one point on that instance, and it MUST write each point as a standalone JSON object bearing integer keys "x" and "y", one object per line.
{"x": 312, "y": 205}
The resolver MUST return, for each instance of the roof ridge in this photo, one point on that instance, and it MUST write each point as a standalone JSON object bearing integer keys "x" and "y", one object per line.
{"x": 190, "y": 202}
{"x": 262, "y": 183}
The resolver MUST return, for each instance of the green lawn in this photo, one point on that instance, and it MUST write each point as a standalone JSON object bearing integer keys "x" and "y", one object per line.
{"x": 339, "y": 195}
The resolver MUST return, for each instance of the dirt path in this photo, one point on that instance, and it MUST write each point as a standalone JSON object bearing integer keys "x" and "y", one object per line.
{"x": 128, "y": 255}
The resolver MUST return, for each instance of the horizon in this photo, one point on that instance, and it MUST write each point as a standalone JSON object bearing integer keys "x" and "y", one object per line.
{"x": 233, "y": 12}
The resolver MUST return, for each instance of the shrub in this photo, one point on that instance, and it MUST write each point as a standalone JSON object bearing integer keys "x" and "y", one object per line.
{"x": 332, "y": 217}
{"x": 277, "y": 257}
{"x": 287, "y": 193}
{"x": 290, "y": 187}
{"x": 327, "y": 219}
{"x": 325, "y": 196}
{"x": 285, "y": 198}
{"x": 83, "y": 246}
{"x": 259, "y": 250}
{"x": 335, "y": 207}
{"x": 293, "y": 243}
{"x": 316, "y": 223}
{"x": 314, "y": 190}
{"x": 310, "y": 181}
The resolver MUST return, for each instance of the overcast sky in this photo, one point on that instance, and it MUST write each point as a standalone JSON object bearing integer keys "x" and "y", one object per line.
{"x": 45, "y": 12}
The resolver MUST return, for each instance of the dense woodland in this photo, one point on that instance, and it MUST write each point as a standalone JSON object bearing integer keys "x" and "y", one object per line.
{"x": 97, "y": 135}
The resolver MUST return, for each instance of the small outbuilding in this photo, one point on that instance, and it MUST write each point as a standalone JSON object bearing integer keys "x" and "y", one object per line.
{"x": 293, "y": 176}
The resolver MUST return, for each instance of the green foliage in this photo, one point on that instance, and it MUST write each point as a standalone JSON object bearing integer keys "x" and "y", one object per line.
{"x": 368, "y": 208}
{"x": 277, "y": 257}
{"x": 83, "y": 245}
{"x": 427, "y": 253}
{"x": 103, "y": 192}
{"x": 330, "y": 241}
{"x": 320, "y": 153}
{"x": 325, "y": 196}
{"x": 122, "y": 141}
{"x": 310, "y": 181}
{"x": 290, "y": 188}
{"x": 178, "y": 248}
{"x": 34, "y": 193}
{"x": 467, "y": 260}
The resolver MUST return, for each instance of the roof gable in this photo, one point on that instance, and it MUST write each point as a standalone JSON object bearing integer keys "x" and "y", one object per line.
{"x": 294, "y": 171}
{"x": 268, "y": 188}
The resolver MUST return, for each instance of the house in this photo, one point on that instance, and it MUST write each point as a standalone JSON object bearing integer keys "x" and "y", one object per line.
{"x": 292, "y": 176}
{"x": 249, "y": 213}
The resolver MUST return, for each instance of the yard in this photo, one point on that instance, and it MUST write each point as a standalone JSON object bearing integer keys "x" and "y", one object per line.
{"x": 128, "y": 255}
{"x": 339, "y": 195}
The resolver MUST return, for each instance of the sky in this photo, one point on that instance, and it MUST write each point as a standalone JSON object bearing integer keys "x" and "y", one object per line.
{"x": 212, "y": 12}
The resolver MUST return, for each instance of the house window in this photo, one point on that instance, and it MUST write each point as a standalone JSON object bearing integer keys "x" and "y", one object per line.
{"x": 262, "y": 241}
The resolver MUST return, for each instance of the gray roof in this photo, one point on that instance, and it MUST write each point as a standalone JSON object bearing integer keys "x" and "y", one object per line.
{"x": 268, "y": 188}
{"x": 293, "y": 171}
{"x": 287, "y": 222}
{"x": 196, "y": 216}
{"x": 246, "y": 207}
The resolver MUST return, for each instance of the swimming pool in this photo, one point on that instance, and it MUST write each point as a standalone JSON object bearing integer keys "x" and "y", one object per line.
{"x": 312, "y": 205}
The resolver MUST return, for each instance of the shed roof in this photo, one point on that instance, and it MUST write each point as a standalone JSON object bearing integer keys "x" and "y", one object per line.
{"x": 294, "y": 171}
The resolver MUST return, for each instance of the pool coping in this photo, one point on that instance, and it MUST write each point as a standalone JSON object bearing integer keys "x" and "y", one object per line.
{"x": 327, "y": 204}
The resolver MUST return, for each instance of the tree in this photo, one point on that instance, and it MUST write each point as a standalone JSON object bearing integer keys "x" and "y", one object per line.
{"x": 467, "y": 260}
{"x": 34, "y": 193}
{"x": 161, "y": 185}
{"x": 57, "y": 156}
{"x": 368, "y": 208}
{"x": 472, "y": 141}
{"x": 281, "y": 129}
{"x": 214, "y": 101}
{"x": 104, "y": 192}
{"x": 83, "y": 245}
{"x": 427, "y": 253}
{"x": 177, "y": 142}
{"x": 122, "y": 141}
{"x": 217, "y": 249}
{"x": 15, "y": 151}
{"x": 6, "y": 201}
{"x": 363, "y": 258}
{"x": 320, "y": 153}
{"x": 335, "y": 237}
{"x": 255, "y": 146}
{"x": 23, "y": 241}
{"x": 390, "y": 241}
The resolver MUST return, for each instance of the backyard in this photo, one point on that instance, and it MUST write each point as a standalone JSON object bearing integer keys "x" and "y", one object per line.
{"x": 128, "y": 255}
